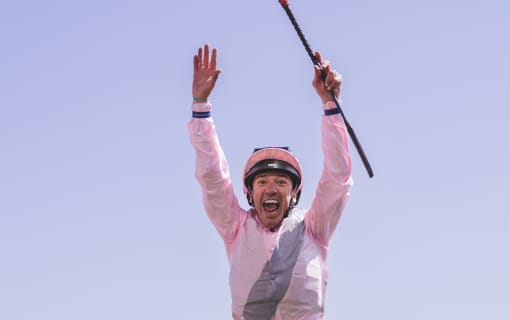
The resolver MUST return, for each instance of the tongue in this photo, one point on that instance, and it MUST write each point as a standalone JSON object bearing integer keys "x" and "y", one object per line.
{"x": 270, "y": 207}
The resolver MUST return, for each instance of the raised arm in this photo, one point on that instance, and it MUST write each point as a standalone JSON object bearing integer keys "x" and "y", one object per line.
{"x": 211, "y": 171}
{"x": 335, "y": 182}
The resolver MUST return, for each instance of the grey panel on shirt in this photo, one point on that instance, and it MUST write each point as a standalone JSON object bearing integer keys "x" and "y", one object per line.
{"x": 274, "y": 280}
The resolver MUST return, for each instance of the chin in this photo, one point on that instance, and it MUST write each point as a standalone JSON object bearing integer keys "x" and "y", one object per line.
{"x": 273, "y": 220}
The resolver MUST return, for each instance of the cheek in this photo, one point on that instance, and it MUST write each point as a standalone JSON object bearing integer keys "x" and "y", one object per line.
{"x": 256, "y": 194}
{"x": 287, "y": 195}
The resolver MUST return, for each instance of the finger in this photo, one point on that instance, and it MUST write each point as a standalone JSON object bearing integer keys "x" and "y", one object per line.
{"x": 317, "y": 75}
{"x": 330, "y": 80}
{"x": 336, "y": 81}
{"x": 206, "y": 56}
{"x": 326, "y": 73}
{"x": 318, "y": 56}
{"x": 213, "y": 59}
{"x": 200, "y": 55}
{"x": 317, "y": 70}
{"x": 326, "y": 67}
{"x": 195, "y": 63}
{"x": 338, "y": 77}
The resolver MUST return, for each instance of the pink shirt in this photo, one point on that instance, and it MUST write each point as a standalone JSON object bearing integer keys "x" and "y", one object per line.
{"x": 281, "y": 274}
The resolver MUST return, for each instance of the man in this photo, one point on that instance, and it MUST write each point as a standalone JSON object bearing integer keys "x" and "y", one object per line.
{"x": 277, "y": 253}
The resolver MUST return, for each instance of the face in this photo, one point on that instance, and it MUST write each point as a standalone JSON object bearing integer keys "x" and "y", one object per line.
{"x": 271, "y": 194}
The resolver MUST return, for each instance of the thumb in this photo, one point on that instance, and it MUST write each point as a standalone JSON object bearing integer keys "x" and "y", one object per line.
{"x": 317, "y": 79}
{"x": 216, "y": 74}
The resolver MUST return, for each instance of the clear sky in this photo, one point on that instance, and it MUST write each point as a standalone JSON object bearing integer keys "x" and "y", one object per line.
{"x": 100, "y": 214}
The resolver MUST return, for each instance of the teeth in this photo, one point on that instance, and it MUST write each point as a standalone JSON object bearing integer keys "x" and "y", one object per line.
{"x": 271, "y": 202}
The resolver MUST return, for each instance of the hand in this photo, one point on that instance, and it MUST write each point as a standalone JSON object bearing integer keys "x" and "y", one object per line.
{"x": 331, "y": 82}
{"x": 205, "y": 73}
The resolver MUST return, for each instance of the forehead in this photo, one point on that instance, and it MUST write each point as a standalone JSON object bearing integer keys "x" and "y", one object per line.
{"x": 272, "y": 174}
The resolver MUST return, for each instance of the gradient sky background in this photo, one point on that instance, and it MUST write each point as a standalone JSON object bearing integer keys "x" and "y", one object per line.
{"x": 100, "y": 214}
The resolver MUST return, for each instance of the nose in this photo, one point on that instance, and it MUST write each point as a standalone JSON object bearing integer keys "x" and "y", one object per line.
{"x": 271, "y": 192}
{"x": 271, "y": 189}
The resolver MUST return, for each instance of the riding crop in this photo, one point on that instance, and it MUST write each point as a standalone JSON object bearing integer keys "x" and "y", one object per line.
{"x": 315, "y": 61}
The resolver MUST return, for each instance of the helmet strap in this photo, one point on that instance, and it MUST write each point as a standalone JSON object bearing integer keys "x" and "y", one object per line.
{"x": 249, "y": 197}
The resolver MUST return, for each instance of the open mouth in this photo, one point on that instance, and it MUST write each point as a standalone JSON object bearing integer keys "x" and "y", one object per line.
{"x": 271, "y": 205}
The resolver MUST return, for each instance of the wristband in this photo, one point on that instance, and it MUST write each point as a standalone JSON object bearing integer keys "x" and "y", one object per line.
{"x": 197, "y": 99}
{"x": 330, "y": 112}
{"x": 201, "y": 115}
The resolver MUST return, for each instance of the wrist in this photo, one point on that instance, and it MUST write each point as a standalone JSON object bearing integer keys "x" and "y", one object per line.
{"x": 325, "y": 98}
{"x": 330, "y": 108}
{"x": 201, "y": 106}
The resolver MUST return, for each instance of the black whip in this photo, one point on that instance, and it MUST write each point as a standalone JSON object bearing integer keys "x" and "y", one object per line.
{"x": 285, "y": 6}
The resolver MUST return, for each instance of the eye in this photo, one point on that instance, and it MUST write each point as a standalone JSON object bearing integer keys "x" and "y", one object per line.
{"x": 282, "y": 182}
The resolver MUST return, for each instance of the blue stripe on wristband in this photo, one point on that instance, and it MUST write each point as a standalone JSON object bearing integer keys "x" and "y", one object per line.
{"x": 197, "y": 114}
{"x": 330, "y": 112}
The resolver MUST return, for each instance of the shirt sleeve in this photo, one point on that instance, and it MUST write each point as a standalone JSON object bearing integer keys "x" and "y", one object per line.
{"x": 213, "y": 175}
{"x": 335, "y": 182}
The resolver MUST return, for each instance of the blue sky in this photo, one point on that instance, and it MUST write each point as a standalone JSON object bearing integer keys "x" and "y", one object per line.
{"x": 100, "y": 214}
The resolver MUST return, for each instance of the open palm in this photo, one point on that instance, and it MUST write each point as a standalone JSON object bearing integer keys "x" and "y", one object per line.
{"x": 205, "y": 73}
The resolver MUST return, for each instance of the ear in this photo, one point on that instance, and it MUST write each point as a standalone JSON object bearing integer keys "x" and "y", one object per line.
{"x": 293, "y": 199}
{"x": 249, "y": 198}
